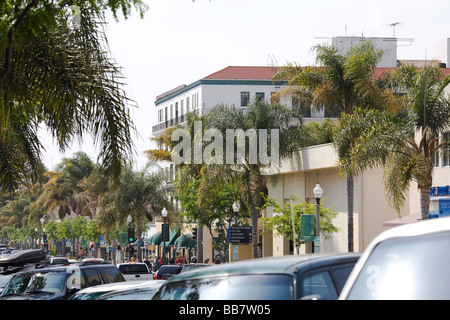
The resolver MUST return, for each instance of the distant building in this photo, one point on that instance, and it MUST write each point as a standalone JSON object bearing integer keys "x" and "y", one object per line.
{"x": 234, "y": 85}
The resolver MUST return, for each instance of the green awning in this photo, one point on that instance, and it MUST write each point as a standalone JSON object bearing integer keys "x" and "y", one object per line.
{"x": 157, "y": 238}
{"x": 185, "y": 242}
{"x": 173, "y": 235}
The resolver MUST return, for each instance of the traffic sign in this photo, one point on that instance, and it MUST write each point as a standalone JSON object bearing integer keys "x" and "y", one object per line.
{"x": 240, "y": 234}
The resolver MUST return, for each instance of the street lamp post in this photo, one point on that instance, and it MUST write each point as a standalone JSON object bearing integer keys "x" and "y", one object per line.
{"x": 164, "y": 230}
{"x": 129, "y": 220}
{"x": 317, "y": 194}
{"x": 236, "y": 210}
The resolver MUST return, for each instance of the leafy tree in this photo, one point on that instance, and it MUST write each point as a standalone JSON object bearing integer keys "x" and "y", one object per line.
{"x": 281, "y": 222}
{"x": 338, "y": 84}
{"x": 59, "y": 75}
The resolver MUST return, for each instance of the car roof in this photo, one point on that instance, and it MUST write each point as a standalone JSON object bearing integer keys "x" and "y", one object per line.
{"x": 125, "y": 285}
{"x": 282, "y": 264}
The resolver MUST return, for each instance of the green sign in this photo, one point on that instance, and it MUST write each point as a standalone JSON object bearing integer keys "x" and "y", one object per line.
{"x": 123, "y": 238}
{"x": 307, "y": 230}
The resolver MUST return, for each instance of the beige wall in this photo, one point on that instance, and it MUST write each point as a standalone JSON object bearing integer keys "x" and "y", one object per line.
{"x": 299, "y": 175}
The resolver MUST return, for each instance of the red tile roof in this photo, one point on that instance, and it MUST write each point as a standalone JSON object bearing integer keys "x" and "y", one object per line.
{"x": 243, "y": 72}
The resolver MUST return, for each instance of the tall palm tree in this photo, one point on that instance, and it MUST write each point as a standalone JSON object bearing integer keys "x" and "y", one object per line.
{"x": 394, "y": 143}
{"x": 141, "y": 194}
{"x": 249, "y": 176}
{"x": 62, "y": 77}
{"x": 339, "y": 82}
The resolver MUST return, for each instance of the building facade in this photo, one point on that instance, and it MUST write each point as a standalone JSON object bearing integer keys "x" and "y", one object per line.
{"x": 299, "y": 174}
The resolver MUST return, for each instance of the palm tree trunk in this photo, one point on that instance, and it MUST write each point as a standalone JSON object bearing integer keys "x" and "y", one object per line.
{"x": 350, "y": 195}
{"x": 254, "y": 215}
{"x": 424, "y": 202}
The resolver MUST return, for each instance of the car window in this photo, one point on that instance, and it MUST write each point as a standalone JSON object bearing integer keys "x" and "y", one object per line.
{"x": 412, "y": 268}
{"x": 320, "y": 283}
{"x": 239, "y": 287}
{"x": 112, "y": 274}
{"x": 341, "y": 273}
{"x": 35, "y": 282}
{"x": 133, "y": 268}
{"x": 170, "y": 270}
{"x": 92, "y": 277}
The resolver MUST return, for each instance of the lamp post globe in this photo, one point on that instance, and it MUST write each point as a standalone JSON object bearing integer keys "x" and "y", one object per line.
{"x": 317, "y": 194}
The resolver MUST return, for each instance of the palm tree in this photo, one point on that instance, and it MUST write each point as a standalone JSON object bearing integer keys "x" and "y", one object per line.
{"x": 249, "y": 176}
{"x": 340, "y": 82}
{"x": 141, "y": 194}
{"x": 393, "y": 143}
{"x": 59, "y": 76}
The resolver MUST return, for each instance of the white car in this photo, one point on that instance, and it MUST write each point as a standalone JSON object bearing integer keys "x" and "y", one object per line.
{"x": 135, "y": 271}
{"x": 408, "y": 262}
{"x": 128, "y": 290}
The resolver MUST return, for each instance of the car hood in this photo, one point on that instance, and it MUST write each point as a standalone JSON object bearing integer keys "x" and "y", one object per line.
{"x": 35, "y": 296}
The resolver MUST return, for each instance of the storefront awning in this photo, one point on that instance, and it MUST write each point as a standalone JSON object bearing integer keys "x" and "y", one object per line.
{"x": 403, "y": 220}
{"x": 185, "y": 242}
{"x": 157, "y": 238}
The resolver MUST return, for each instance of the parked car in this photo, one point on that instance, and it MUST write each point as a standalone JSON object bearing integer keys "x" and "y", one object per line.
{"x": 19, "y": 261}
{"x": 312, "y": 276}
{"x": 193, "y": 266}
{"x": 58, "y": 283}
{"x": 166, "y": 271}
{"x": 128, "y": 290}
{"x": 58, "y": 261}
{"x": 135, "y": 271}
{"x": 408, "y": 262}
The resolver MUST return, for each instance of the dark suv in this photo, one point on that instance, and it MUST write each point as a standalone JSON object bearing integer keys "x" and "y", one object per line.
{"x": 58, "y": 283}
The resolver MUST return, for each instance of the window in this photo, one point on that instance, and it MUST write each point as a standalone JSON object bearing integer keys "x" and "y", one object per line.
{"x": 245, "y": 97}
{"x": 113, "y": 275}
{"x": 93, "y": 277}
{"x": 435, "y": 156}
{"x": 320, "y": 283}
{"x": 187, "y": 104}
{"x": 259, "y": 96}
{"x": 446, "y": 151}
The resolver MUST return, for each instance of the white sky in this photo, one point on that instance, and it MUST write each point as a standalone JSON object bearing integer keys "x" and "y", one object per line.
{"x": 181, "y": 41}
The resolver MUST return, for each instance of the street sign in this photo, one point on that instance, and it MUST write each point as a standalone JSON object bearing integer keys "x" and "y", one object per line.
{"x": 307, "y": 231}
{"x": 240, "y": 234}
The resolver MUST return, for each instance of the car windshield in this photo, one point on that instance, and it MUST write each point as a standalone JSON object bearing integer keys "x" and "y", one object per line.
{"x": 36, "y": 282}
{"x": 133, "y": 268}
{"x": 406, "y": 268}
{"x": 239, "y": 287}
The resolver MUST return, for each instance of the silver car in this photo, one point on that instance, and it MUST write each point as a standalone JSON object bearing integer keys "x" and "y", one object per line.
{"x": 409, "y": 262}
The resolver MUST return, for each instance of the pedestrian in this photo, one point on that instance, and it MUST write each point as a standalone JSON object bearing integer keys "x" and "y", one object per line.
{"x": 207, "y": 260}
{"x": 194, "y": 259}
{"x": 161, "y": 261}
{"x": 216, "y": 261}
{"x": 133, "y": 260}
{"x": 156, "y": 264}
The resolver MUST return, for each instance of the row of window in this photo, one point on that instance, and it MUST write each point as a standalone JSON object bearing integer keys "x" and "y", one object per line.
{"x": 245, "y": 97}
{"x": 445, "y": 153}
{"x": 179, "y": 108}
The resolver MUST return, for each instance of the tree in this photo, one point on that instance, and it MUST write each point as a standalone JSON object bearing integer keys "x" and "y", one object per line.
{"x": 340, "y": 82}
{"x": 62, "y": 188}
{"x": 59, "y": 75}
{"x": 141, "y": 194}
{"x": 282, "y": 222}
{"x": 284, "y": 135}
{"x": 391, "y": 142}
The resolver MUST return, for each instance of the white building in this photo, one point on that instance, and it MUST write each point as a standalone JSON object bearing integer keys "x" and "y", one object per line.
{"x": 232, "y": 85}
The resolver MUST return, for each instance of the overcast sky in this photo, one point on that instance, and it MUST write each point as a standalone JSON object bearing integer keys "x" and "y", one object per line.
{"x": 181, "y": 41}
